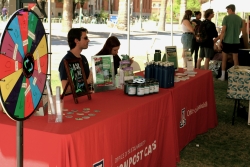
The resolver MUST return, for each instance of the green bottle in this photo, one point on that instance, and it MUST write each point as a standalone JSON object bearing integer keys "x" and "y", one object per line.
{"x": 157, "y": 55}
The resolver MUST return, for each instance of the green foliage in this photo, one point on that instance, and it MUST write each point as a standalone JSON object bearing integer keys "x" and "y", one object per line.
{"x": 193, "y": 5}
{"x": 80, "y": 1}
{"x": 220, "y": 18}
{"x": 154, "y": 17}
{"x": 104, "y": 14}
{"x": 76, "y": 1}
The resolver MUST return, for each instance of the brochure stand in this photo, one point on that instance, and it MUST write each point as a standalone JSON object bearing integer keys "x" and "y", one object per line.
{"x": 103, "y": 73}
{"x": 76, "y": 79}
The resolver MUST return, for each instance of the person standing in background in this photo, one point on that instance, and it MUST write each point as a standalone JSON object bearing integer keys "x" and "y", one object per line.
{"x": 4, "y": 13}
{"x": 207, "y": 47}
{"x": 188, "y": 34}
{"x": 196, "y": 45}
{"x": 229, "y": 38}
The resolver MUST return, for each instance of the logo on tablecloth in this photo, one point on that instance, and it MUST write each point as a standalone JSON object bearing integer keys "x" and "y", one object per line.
{"x": 99, "y": 164}
{"x": 183, "y": 118}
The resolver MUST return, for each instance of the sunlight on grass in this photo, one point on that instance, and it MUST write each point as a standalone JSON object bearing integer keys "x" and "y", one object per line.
{"x": 55, "y": 81}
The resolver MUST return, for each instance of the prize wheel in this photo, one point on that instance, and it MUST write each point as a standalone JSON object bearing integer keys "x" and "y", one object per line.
{"x": 24, "y": 64}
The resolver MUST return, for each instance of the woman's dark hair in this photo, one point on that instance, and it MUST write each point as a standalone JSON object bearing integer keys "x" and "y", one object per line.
{"x": 208, "y": 13}
{"x": 187, "y": 15}
{"x": 110, "y": 43}
{"x": 197, "y": 13}
{"x": 75, "y": 33}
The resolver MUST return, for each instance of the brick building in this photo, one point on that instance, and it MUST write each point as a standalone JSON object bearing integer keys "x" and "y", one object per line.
{"x": 95, "y": 6}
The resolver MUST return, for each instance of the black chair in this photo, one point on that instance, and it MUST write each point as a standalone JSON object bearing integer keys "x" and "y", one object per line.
{"x": 244, "y": 57}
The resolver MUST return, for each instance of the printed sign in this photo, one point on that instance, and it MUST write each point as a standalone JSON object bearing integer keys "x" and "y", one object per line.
{"x": 76, "y": 79}
{"x": 171, "y": 55}
{"x": 103, "y": 72}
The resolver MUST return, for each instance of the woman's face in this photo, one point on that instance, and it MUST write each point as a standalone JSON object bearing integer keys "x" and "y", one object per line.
{"x": 114, "y": 50}
{"x": 198, "y": 16}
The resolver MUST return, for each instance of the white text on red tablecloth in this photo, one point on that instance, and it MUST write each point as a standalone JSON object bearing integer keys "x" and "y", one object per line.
{"x": 138, "y": 156}
{"x": 194, "y": 111}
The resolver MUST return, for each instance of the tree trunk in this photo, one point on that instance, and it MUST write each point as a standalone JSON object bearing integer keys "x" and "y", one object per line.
{"x": 100, "y": 4}
{"x": 74, "y": 8}
{"x": 182, "y": 10}
{"x": 67, "y": 15}
{"x": 122, "y": 15}
{"x": 162, "y": 19}
{"x": 97, "y": 5}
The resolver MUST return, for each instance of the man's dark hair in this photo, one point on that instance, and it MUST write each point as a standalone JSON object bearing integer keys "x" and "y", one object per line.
{"x": 208, "y": 12}
{"x": 231, "y": 6}
{"x": 197, "y": 13}
{"x": 75, "y": 33}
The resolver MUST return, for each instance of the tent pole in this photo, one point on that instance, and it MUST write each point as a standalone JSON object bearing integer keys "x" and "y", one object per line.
{"x": 19, "y": 125}
{"x": 128, "y": 26}
{"x": 49, "y": 40}
{"x": 172, "y": 39}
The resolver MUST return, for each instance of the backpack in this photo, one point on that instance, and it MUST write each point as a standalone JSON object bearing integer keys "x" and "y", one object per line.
{"x": 200, "y": 32}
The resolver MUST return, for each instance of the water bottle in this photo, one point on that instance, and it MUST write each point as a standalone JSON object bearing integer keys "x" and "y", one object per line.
{"x": 160, "y": 79}
{"x": 172, "y": 74}
{"x": 156, "y": 70}
{"x": 152, "y": 64}
{"x": 147, "y": 70}
{"x": 165, "y": 76}
{"x": 157, "y": 55}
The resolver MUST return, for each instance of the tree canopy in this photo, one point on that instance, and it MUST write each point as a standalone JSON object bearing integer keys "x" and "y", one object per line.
{"x": 193, "y": 5}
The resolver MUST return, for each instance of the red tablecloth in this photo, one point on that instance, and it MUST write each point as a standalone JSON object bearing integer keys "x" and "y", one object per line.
{"x": 135, "y": 131}
{"x": 194, "y": 106}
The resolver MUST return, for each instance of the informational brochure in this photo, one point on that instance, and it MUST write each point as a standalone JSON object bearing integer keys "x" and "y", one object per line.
{"x": 171, "y": 55}
{"x": 103, "y": 72}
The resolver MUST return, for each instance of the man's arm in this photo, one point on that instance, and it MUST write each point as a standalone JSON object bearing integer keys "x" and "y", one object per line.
{"x": 64, "y": 82}
{"x": 222, "y": 34}
{"x": 90, "y": 78}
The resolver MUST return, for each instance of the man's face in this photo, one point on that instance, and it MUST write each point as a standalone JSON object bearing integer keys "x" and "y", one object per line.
{"x": 229, "y": 11}
{"x": 84, "y": 41}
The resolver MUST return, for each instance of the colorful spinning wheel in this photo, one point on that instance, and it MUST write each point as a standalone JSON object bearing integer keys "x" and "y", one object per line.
{"x": 23, "y": 63}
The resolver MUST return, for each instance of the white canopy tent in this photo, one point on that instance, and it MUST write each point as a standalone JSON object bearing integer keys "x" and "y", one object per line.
{"x": 220, "y": 5}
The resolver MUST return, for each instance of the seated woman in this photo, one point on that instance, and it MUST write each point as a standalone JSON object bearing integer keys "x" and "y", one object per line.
{"x": 111, "y": 47}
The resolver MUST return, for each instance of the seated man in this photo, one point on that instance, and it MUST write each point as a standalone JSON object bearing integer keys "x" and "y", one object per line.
{"x": 77, "y": 41}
